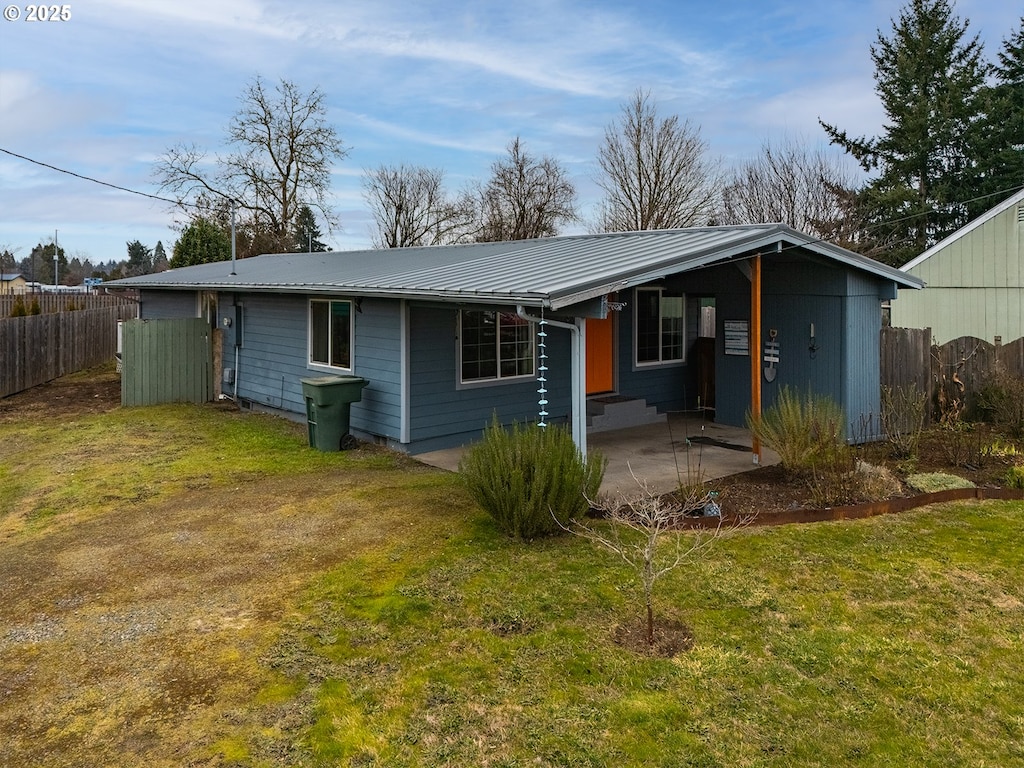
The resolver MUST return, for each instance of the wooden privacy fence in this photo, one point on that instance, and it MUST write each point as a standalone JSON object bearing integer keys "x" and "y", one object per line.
{"x": 166, "y": 361}
{"x": 908, "y": 358}
{"x": 64, "y": 302}
{"x": 38, "y": 348}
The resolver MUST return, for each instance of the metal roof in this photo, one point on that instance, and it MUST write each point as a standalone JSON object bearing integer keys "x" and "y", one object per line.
{"x": 553, "y": 272}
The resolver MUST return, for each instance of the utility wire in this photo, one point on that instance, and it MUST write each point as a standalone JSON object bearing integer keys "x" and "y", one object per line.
{"x": 880, "y": 224}
{"x": 97, "y": 181}
{"x": 869, "y": 227}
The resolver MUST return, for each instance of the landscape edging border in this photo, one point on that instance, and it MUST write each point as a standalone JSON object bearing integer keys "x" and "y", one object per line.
{"x": 859, "y": 511}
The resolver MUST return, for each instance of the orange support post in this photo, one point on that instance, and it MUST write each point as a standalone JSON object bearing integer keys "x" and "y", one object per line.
{"x": 755, "y": 350}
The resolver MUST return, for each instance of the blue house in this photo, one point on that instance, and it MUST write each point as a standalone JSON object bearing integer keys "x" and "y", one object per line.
{"x": 716, "y": 318}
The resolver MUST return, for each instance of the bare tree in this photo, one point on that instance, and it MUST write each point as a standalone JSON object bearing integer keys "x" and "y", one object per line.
{"x": 525, "y": 198}
{"x": 789, "y": 184}
{"x": 642, "y": 530}
{"x": 283, "y": 152}
{"x": 656, "y": 173}
{"x": 411, "y": 207}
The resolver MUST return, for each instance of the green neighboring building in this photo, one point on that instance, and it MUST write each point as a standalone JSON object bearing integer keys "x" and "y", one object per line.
{"x": 974, "y": 280}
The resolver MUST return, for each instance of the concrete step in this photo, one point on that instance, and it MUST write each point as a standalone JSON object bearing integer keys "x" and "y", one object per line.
{"x": 610, "y": 412}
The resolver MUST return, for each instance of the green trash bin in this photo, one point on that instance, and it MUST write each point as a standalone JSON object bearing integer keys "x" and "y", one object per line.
{"x": 328, "y": 403}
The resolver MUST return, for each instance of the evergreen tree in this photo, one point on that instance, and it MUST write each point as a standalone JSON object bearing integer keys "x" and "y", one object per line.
{"x": 75, "y": 274}
{"x": 1002, "y": 154}
{"x": 202, "y": 242}
{"x": 305, "y": 234}
{"x": 929, "y": 76}
{"x": 159, "y": 257}
{"x": 140, "y": 259}
{"x": 41, "y": 264}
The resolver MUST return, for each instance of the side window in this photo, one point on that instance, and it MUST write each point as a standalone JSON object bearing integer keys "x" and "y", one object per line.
{"x": 660, "y": 331}
{"x": 330, "y": 333}
{"x": 494, "y": 346}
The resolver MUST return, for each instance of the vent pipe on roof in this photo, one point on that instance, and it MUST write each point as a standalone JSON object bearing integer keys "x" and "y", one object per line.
{"x": 232, "y": 237}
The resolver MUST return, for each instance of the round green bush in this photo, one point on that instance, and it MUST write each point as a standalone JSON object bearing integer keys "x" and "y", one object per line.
{"x": 532, "y": 480}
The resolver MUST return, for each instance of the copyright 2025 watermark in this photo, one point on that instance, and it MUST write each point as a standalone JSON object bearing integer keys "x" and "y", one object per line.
{"x": 42, "y": 13}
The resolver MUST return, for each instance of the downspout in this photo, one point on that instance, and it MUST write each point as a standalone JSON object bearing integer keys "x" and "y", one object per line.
{"x": 755, "y": 351}
{"x": 577, "y": 353}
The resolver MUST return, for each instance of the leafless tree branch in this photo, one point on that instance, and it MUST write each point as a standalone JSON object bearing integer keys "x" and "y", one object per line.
{"x": 411, "y": 207}
{"x": 656, "y": 173}
{"x": 283, "y": 153}
{"x": 525, "y": 197}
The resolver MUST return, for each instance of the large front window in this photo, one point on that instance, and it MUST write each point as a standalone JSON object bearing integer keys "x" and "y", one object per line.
{"x": 494, "y": 345}
{"x": 659, "y": 326}
{"x": 330, "y": 333}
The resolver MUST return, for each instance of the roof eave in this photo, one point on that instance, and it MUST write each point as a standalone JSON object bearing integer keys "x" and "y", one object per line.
{"x": 527, "y": 298}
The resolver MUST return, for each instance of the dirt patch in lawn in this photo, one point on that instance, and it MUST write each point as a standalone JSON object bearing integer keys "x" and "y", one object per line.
{"x": 137, "y": 637}
{"x": 125, "y": 639}
{"x": 95, "y": 391}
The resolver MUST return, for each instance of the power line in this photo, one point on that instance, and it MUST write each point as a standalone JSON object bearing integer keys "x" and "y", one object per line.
{"x": 184, "y": 203}
{"x": 97, "y": 181}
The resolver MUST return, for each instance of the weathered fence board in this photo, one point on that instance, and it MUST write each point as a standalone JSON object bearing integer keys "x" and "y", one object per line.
{"x": 64, "y": 302}
{"x": 961, "y": 367}
{"x": 166, "y": 361}
{"x": 906, "y": 358}
{"x": 39, "y": 348}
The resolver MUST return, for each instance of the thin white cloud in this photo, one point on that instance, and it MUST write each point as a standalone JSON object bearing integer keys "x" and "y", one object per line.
{"x": 236, "y": 17}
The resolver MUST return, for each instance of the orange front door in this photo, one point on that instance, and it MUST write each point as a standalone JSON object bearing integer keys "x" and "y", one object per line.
{"x": 600, "y": 338}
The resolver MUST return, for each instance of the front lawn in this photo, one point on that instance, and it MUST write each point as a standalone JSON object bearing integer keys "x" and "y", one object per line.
{"x": 193, "y": 586}
{"x": 892, "y": 641}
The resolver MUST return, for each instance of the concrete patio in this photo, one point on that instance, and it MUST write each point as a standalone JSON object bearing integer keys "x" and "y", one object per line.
{"x": 663, "y": 455}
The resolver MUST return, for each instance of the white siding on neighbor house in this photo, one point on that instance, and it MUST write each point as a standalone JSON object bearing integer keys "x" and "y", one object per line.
{"x": 974, "y": 283}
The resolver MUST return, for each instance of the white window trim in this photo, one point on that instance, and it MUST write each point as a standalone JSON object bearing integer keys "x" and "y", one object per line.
{"x": 316, "y": 366}
{"x": 499, "y": 380}
{"x": 659, "y": 363}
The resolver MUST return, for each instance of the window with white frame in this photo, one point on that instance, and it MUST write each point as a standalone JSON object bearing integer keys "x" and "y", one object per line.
{"x": 330, "y": 333}
{"x": 494, "y": 345}
{"x": 660, "y": 331}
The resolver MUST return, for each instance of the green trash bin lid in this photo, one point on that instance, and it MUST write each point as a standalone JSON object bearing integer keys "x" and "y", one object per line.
{"x": 332, "y": 390}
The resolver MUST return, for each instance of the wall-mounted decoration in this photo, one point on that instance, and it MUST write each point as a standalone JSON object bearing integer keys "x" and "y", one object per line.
{"x": 771, "y": 355}
{"x": 737, "y": 337}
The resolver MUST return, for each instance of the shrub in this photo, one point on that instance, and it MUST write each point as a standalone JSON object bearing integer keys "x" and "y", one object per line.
{"x": 34, "y": 308}
{"x": 805, "y": 431}
{"x": 1015, "y": 477}
{"x": 18, "y": 307}
{"x": 1001, "y": 401}
{"x": 903, "y": 416}
{"x": 531, "y": 480}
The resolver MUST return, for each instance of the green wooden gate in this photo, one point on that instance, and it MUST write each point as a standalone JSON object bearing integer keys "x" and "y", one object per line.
{"x": 166, "y": 361}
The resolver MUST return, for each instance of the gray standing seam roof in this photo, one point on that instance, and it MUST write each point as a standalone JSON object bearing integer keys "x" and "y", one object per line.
{"x": 553, "y": 272}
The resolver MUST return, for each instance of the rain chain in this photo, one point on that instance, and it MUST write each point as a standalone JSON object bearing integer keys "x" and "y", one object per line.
{"x": 542, "y": 371}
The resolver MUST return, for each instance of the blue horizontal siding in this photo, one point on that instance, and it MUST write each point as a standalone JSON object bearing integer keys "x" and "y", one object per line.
{"x": 378, "y": 358}
{"x": 444, "y": 415}
{"x": 168, "y": 305}
{"x": 274, "y": 358}
{"x": 668, "y": 387}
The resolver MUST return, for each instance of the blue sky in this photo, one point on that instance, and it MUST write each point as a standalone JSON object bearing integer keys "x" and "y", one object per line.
{"x": 436, "y": 83}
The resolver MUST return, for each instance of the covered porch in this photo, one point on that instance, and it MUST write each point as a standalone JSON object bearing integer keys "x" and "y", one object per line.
{"x": 685, "y": 446}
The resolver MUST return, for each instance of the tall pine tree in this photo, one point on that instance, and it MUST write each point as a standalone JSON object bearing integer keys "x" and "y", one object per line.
{"x": 929, "y": 75}
{"x": 1002, "y": 155}
{"x": 305, "y": 234}
{"x": 159, "y": 257}
{"x": 140, "y": 259}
